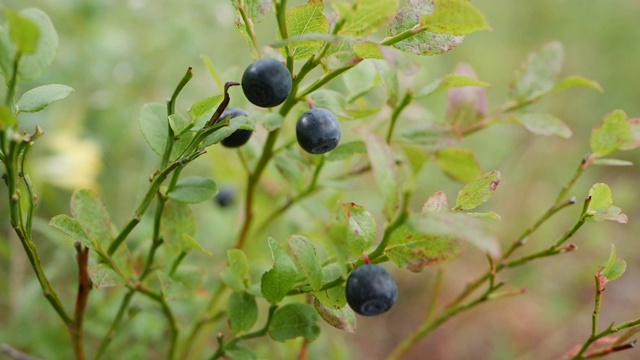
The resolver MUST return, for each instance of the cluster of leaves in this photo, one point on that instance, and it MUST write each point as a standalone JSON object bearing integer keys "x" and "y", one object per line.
{"x": 394, "y": 151}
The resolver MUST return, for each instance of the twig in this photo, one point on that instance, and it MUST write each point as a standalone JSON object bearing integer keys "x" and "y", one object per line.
{"x": 15, "y": 354}
{"x": 84, "y": 287}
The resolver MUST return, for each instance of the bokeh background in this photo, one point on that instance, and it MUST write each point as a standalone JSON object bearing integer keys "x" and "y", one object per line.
{"x": 119, "y": 54}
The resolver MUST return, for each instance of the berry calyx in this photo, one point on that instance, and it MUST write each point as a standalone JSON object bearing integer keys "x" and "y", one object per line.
{"x": 240, "y": 136}
{"x": 267, "y": 83}
{"x": 318, "y": 131}
{"x": 371, "y": 290}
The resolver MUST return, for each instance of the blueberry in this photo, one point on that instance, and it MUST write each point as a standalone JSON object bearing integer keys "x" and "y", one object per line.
{"x": 240, "y": 136}
{"x": 371, "y": 290}
{"x": 318, "y": 131}
{"x": 225, "y": 196}
{"x": 267, "y": 83}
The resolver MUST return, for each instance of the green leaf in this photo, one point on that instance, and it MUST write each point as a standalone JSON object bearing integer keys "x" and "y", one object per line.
{"x": 240, "y": 122}
{"x": 384, "y": 169}
{"x": 154, "y": 125}
{"x": 23, "y": 31}
{"x": 103, "y": 276}
{"x": 538, "y": 75}
{"x": 634, "y": 137}
{"x": 459, "y": 164}
{"x": 368, "y": 50}
{"x": 177, "y": 219}
{"x": 294, "y": 320}
{"x": 436, "y": 203}
{"x": 306, "y": 19}
{"x": 204, "y": 107}
{"x": 171, "y": 289}
{"x": 179, "y": 123}
{"x": 258, "y": 9}
{"x": 541, "y": 124}
{"x": 614, "y": 133}
{"x": 361, "y": 228}
{"x": 194, "y": 189}
{"x": 365, "y": 16}
{"x": 478, "y": 191}
{"x": 332, "y": 101}
{"x": 270, "y": 121}
{"x": 346, "y": 150}
{"x": 612, "y": 162}
{"x": 241, "y": 27}
{"x": 456, "y": 226}
{"x": 73, "y": 228}
{"x": 361, "y": 80}
{"x": 409, "y": 248}
{"x": 239, "y": 352}
{"x": 277, "y": 282}
{"x": 87, "y": 208}
{"x": 334, "y": 297}
{"x": 486, "y": 215}
{"x": 343, "y": 318}
{"x": 424, "y": 42}
{"x": 575, "y": 81}
{"x": 306, "y": 259}
{"x": 237, "y": 276}
{"x": 34, "y": 64}
{"x": 454, "y": 17}
{"x": 243, "y": 312}
{"x": 601, "y": 197}
{"x": 431, "y": 138}
{"x": 292, "y": 168}
{"x": 190, "y": 243}
{"x": 451, "y": 81}
{"x": 212, "y": 71}
{"x": 466, "y": 105}
{"x": 39, "y": 98}
{"x": 615, "y": 267}
{"x": 7, "y": 117}
{"x": 601, "y": 205}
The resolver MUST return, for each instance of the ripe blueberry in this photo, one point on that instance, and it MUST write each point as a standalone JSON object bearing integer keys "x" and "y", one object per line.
{"x": 371, "y": 290}
{"x": 267, "y": 83}
{"x": 318, "y": 131}
{"x": 240, "y": 136}
{"x": 225, "y": 196}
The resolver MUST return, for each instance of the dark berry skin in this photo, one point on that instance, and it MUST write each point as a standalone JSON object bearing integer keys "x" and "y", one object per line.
{"x": 318, "y": 131}
{"x": 371, "y": 290}
{"x": 267, "y": 83}
{"x": 240, "y": 136}
{"x": 225, "y": 196}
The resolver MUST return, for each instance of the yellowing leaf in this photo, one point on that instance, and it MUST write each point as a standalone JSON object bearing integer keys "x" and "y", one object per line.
{"x": 455, "y": 17}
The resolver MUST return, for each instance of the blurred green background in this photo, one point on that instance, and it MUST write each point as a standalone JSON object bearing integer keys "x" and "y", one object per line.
{"x": 118, "y": 54}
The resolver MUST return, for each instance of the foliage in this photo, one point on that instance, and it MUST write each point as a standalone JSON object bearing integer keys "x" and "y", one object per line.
{"x": 301, "y": 284}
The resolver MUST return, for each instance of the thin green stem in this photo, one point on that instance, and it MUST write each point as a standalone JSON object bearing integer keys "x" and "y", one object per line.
{"x": 324, "y": 80}
{"x": 281, "y": 17}
{"x": 171, "y": 109}
{"x": 596, "y": 311}
{"x": 13, "y": 84}
{"x": 248, "y": 24}
{"x": 521, "y": 240}
{"x": 156, "y": 182}
{"x": 400, "y": 218}
{"x": 403, "y": 35}
{"x": 176, "y": 263}
{"x": 435, "y": 292}
{"x": 406, "y": 100}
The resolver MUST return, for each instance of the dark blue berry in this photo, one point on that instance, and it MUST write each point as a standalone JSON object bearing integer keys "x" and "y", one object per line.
{"x": 318, "y": 131}
{"x": 240, "y": 136}
{"x": 371, "y": 290}
{"x": 225, "y": 196}
{"x": 267, "y": 83}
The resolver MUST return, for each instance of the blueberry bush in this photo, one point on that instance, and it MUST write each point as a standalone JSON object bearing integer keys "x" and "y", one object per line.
{"x": 331, "y": 107}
